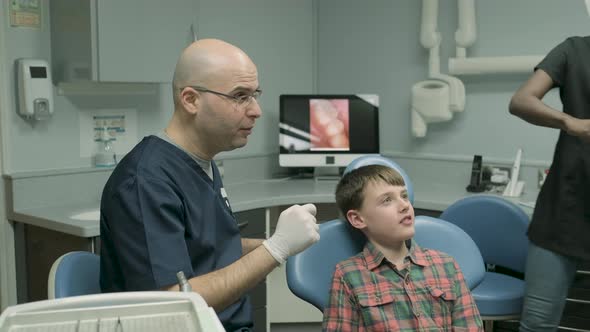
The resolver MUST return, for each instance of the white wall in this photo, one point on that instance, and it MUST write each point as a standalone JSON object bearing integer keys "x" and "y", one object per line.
{"x": 373, "y": 46}
{"x": 277, "y": 34}
{"x": 7, "y": 266}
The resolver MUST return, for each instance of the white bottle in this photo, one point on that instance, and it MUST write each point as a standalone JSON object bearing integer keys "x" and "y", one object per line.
{"x": 105, "y": 157}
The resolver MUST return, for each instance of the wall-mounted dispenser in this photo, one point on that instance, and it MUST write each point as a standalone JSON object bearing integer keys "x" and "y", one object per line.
{"x": 35, "y": 89}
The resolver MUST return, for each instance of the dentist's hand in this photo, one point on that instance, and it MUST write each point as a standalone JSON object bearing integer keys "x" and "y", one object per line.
{"x": 296, "y": 230}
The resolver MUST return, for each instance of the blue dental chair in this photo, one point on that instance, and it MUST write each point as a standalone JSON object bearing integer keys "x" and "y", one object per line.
{"x": 380, "y": 160}
{"x": 499, "y": 228}
{"x": 309, "y": 273}
{"x": 74, "y": 273}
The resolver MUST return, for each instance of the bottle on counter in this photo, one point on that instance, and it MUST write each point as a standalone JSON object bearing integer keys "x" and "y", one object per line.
{"x": 106, "y": 156}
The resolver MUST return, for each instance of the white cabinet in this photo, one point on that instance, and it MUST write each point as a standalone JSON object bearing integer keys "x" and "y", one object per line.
{"x": 283, "y": 307}
{"x": 119, "y": 41}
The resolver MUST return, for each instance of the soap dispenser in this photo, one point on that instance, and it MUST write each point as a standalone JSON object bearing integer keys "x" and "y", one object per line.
{"x": 105, "y": 157}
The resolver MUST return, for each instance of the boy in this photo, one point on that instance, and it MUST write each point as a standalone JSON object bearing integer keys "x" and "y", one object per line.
{"x": 393, "y": 284}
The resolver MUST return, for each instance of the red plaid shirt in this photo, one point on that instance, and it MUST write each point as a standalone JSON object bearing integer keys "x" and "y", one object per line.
{"x": 427, "y": 294}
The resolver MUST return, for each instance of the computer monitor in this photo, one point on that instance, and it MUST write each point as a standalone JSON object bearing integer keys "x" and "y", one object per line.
{"x": 327, "y": 130}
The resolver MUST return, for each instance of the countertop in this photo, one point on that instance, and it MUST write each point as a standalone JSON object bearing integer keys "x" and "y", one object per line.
{"x": 252, "y": 195}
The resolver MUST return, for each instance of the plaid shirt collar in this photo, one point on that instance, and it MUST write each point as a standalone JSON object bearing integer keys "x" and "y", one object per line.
{"x": 374, "y": 258}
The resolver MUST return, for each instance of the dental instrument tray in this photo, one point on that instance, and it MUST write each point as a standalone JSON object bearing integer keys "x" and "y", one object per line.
{"x": 128, "y": 311}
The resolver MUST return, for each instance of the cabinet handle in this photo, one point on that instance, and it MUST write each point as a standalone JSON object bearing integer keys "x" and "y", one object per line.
{"x": 242, "y": 224}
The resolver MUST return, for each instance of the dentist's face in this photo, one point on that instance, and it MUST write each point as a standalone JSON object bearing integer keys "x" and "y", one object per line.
{"x": 227, "y": 122}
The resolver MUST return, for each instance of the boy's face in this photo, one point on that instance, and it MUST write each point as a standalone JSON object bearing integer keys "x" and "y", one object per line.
{"x": 386, "y": 215}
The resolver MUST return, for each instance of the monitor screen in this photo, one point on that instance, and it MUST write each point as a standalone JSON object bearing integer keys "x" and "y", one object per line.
{"x": 327, "y": 130}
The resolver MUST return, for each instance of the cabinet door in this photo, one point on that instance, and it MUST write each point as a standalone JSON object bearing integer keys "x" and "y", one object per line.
{"x": 140, "y": 40}
{"x": 279, "y": 297}
{"x": 42, "y": 248}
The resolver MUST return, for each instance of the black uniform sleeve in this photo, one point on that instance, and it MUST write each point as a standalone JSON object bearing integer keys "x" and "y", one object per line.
{"x": 554, "y": 64}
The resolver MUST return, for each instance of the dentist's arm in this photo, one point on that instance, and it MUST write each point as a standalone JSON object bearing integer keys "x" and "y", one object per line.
{"x": 249, "y": 244}
{"x": 296, "y": 230}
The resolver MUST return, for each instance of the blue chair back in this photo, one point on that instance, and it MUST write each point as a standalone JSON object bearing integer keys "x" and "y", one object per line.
{"x": 437, "y": 234}
{"x": 380, "y": 160}
{"x": 497, "y": 226}
{"x": 74, "y": 273}
{"x": 309, "y": 273}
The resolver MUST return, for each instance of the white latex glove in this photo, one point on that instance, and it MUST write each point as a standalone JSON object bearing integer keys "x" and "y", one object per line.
{"x": 296, "y": 230}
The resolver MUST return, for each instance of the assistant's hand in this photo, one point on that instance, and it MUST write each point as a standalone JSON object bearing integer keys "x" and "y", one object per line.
{"x": 579, "y": 128}
{"x": 296, "y": 230}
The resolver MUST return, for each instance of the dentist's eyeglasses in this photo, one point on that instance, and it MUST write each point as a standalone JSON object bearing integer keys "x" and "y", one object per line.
{"x": 241, "y": 99}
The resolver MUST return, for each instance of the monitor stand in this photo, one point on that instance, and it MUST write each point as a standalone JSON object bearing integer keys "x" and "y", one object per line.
{"x": 326, "y": 173}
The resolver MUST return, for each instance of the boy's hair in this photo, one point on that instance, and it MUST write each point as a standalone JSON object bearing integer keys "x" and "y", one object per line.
{"x": 350, "y": 189}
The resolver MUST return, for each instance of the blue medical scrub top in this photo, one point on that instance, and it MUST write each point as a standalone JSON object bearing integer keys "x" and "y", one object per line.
{"x": 160, "y": 214}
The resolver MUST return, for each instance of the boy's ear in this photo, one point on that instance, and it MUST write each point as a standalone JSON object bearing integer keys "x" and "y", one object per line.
{"x": 355, "y": 219}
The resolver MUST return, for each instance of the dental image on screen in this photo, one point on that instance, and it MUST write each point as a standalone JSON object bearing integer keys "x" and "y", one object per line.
{"x": 329, "y": 124}
{"x": 324, "y": 130}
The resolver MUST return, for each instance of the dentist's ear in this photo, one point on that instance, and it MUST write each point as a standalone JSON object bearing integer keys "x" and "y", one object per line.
{"x": 190, "y": 100}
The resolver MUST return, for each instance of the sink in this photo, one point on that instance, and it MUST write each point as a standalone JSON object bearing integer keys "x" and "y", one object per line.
{"x": 92, "y": 215}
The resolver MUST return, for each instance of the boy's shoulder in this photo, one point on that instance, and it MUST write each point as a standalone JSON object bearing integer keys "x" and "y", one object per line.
{"x": 432, "y": 255}
{"x": 352, "y": 264}
{"x": 422, "y": 256}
